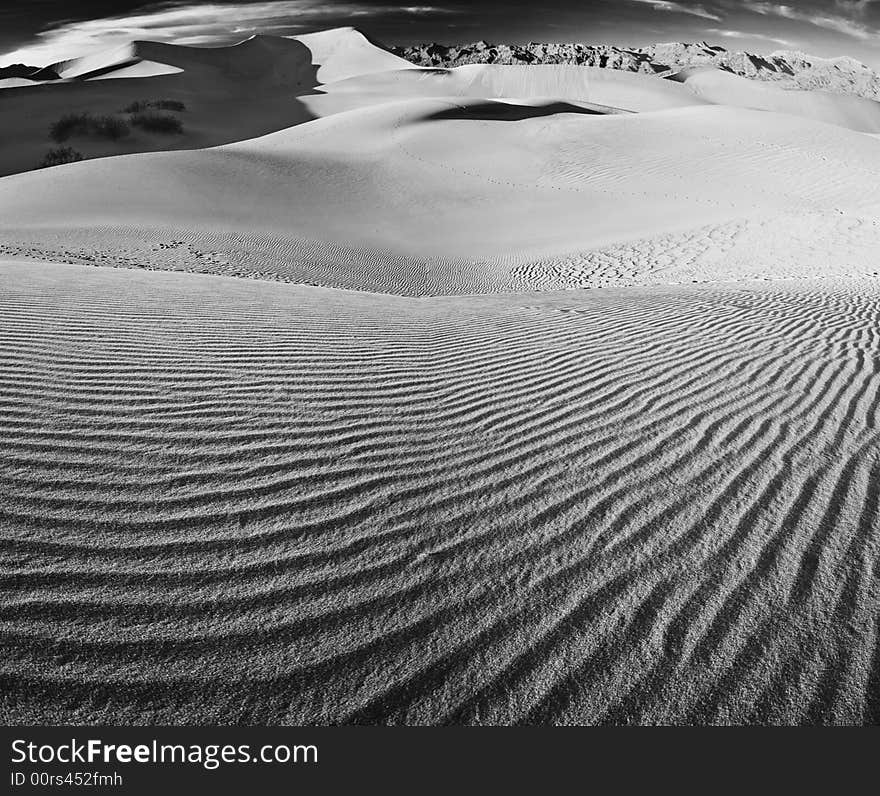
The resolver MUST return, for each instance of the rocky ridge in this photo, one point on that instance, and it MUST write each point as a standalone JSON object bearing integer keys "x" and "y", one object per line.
{"x": 786, "y": 68}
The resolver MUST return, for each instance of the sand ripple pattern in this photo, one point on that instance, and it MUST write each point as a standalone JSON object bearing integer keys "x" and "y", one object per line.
{"x": 786, "y": 246}
{"x": 231, "y": 501}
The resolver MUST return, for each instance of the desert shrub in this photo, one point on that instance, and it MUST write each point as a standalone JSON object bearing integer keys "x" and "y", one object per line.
{"x": 85, "y": 124}
{"x": 161, "y": 105}
{"x": 109, "y": 127}
{"x": 59, "y": 155}
{"x": 68, "y": 125}
{"x": 157, "y": 122}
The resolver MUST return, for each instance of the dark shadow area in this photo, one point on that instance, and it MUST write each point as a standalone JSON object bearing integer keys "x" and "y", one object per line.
{"x": 107, "y": 70}
{"x": 230, "y": 94}
{"x": 682, "y": 75}
{"x": 509, "y": 112}
{"x": 761, "y": 63}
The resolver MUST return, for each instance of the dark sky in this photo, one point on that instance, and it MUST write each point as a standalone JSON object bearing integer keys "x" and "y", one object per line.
{"x": 42, "y": 31}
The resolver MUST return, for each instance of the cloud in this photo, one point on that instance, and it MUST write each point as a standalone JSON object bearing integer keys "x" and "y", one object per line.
{"x": 742, "y": 34}
{"x": 680, "y": 8}
{"x": 198, "y": 23}
{"x": 836, "y": 22}
{"x": 855, "y": 7}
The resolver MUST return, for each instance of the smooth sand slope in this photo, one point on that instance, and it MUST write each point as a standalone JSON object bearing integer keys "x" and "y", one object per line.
{"x": 438, "y": 196}
{"x": 581, "y": 84}
{"x": 723, "y": 88}
{"x": 232, "y": 501}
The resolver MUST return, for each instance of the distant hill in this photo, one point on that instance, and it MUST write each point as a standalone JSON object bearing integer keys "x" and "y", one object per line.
{"x": 788, "y": 69}
{"x": 36, "y": 73}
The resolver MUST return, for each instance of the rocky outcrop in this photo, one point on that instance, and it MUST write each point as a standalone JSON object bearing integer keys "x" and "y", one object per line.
{"x": 788, "y": 69}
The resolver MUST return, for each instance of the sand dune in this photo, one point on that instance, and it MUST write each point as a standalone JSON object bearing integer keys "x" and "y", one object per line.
{"x": 634, "y": 92}
{"x": 434, "y": 479}
{"x": 534, "y": 200}
{"x": 15, "y": 82}
{"x": 231, "y": 93}
{"x": 784, "y": 68}
{"x": 723, "y": 88}
{"x": 108, "y": 63}
{"x": 274, "y": 83}
{"x": 345, "y": 52}
{"x": 232, "y": 501}
{"x": 335, "y": 54}
{"x": 578, "y": 84}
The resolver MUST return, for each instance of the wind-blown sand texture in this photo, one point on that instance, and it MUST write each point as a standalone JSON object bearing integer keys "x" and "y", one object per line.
{"x": 433, "y": 478}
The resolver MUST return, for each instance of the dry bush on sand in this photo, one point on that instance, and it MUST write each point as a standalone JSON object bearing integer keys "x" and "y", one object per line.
{"x": 59, "y": 155}
{"x": 81, "y": 124}
{"x": 157, "y": 122}
{"x": 161, "y": 104}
